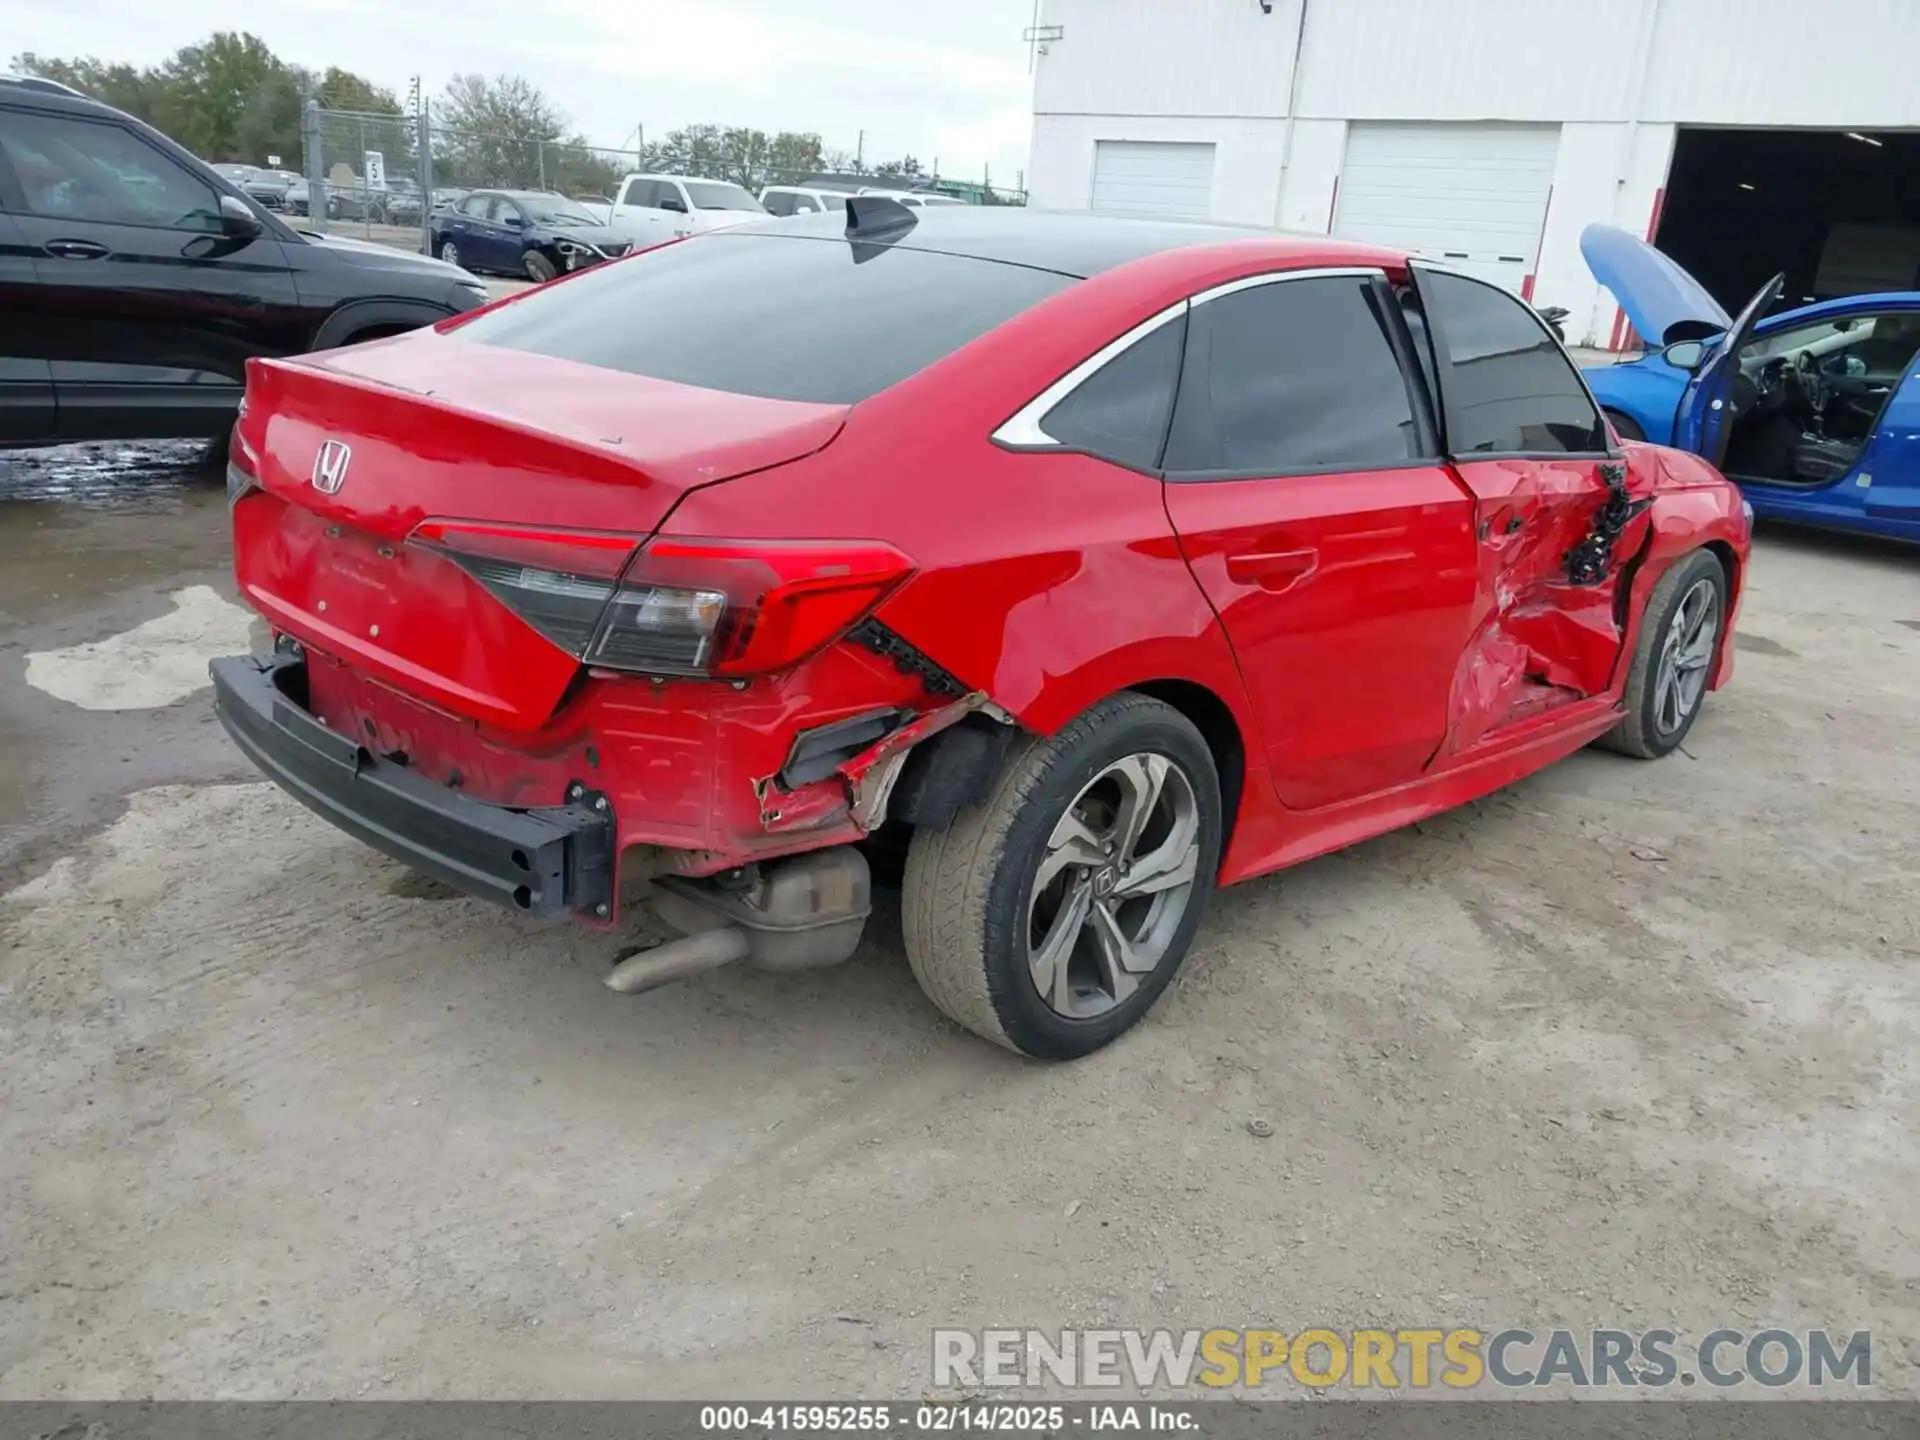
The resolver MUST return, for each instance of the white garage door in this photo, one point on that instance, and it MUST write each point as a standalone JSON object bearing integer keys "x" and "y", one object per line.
{"x": 1163, "y": 181}
{"x": 1472, "y": 195}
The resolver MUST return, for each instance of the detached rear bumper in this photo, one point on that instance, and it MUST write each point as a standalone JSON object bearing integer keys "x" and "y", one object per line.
{"x": 546, "y": 862}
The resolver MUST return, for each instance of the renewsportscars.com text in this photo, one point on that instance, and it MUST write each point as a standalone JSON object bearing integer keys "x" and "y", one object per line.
{"x": 1389, "y": 1360}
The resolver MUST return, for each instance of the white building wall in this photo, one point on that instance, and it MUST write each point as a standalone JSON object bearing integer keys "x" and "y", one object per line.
{"x": 1847, "y": 64}
{"x": 1166, "y": 57}
{"x": 1309, "y": 188}
{"x": 1535, "y": 60}
{"x": 1246, "y": 163}
{"x": 1617, "y": 75}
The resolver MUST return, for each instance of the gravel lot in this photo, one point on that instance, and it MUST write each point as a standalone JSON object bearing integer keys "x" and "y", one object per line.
{"x": 1625, "y": 1044}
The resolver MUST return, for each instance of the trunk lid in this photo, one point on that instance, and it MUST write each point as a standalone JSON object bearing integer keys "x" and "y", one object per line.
{"x": 430, "y": 427}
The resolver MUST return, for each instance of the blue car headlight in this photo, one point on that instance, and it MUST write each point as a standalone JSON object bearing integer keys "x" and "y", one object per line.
{"x": 1746, "y": 509}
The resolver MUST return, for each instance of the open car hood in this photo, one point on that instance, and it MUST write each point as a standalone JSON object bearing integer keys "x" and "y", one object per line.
{"x": 1663, "y": 301}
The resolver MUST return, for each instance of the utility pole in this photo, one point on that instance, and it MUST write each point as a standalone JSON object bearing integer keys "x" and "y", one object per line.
{"x": 860, "y": 154}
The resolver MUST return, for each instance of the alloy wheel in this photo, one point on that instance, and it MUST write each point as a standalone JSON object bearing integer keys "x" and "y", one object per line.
{"x": 450, "y": 253}
{"x": 1685, "y": 655}
{"x": 1113, "y": 884}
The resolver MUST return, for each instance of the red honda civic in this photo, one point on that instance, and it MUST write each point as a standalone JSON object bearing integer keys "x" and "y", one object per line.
{"x": 1094, "y": 563}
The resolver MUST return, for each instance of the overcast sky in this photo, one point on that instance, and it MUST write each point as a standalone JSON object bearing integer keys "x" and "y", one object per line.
{"x": 943, "y": 79}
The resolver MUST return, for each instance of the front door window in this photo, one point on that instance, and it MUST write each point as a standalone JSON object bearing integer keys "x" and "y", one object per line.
{"x": 83, "y": 170}
{"x": 1815, "y": 394}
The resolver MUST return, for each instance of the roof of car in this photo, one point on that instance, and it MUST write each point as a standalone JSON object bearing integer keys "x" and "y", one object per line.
{"x": 1069, "y": 243}
{"x": 39, "y": 83}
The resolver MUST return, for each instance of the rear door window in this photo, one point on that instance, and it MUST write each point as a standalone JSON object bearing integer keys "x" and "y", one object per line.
{"x": 1292, "y": 377}
{"x": 784, "y": 317}
{"x": 1120, "y": 412}
{"x": 1506, "y": 387}
{"x": 778, "y": 203}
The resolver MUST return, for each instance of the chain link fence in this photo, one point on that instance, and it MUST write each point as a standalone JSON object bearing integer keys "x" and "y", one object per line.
{"x": 366, "y": 175}
{"x": 381, "y": 176}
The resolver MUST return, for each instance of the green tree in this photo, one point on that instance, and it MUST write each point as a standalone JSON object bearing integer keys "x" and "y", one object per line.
{"x": 497, "y": 130}
{"x": 205, "y": 90}
{"x": 904, "y": 169}
{"x": 227, "y": 98}
{"x": 748, "y": 157}
{"x": 338, "y": 89}
{"x": 120, "y": 86}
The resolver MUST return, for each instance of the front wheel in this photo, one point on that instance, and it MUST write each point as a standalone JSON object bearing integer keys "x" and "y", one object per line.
{"x": 539, "y": 268}
{"x": 1050, "y": 919}
{"x": 1673, "y": 658}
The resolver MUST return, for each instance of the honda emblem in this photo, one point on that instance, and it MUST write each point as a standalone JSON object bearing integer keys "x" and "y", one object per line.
{"x": 330, "y": 467}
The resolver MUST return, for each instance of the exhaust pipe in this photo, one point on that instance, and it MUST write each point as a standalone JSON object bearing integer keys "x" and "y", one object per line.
{"x": 798, "y": 913}
{"x": 677, "y": 959}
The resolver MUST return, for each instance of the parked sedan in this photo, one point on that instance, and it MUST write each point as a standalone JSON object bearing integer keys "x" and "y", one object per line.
{"x": 1814, "y": 412}
{"x": 1104, "y": 562}
{"x": 521, "y": 232}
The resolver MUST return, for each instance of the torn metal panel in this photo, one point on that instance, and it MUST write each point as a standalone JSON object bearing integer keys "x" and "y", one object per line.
{"x": 870, "y": 776}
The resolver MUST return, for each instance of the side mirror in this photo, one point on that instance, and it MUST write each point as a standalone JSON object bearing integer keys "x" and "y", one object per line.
{"x": 1685, "y": 354}
{"x": 675, "y": 204}
{"x": 237, "y": 221}
{"x": 512, "y": 222}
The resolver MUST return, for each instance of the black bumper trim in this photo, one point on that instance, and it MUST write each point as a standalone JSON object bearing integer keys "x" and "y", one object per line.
{"x": 544, "y": 862}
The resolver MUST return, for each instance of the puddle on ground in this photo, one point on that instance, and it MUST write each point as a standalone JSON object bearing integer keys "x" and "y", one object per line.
{"x": 108, "y": 475}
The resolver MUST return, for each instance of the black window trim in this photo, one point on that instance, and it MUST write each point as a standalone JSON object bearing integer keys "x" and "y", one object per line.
{"x": 1022, "y": 430}
{"x": 1443, "y": 361}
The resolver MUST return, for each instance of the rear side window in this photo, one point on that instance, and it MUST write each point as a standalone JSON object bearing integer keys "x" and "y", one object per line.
{"x": 1291, "y": 377}
{"x": 782, "y": 318}
{"x": 1120, "y": 412}
{"x": 1506, "y": 387}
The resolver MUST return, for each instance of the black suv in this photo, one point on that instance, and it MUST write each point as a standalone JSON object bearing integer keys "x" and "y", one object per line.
{"x": 135, "y": 281}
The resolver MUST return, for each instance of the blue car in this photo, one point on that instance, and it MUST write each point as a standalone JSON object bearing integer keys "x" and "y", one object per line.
{"x": 521, "y": 232}
{"x": 1814, "y": 413}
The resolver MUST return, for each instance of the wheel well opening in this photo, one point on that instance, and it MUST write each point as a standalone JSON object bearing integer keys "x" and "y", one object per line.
{"x": 1728, "y": 563}
{"x": 1723, "y": 552}
{"x": 1215, "y": 722}
{"x": 376, "y": 332}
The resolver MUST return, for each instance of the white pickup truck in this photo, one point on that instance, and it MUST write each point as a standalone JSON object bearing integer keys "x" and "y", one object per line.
{"x": 651, "y": 209}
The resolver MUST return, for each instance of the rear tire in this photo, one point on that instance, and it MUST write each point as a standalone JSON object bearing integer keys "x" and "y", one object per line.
{"x": 1625, "y": 426}
{"x": 450, "y": 253}
{"x": 1019, "y": 894}
{"x": 539, "y": 268}
{"x": 1673, "y": 659}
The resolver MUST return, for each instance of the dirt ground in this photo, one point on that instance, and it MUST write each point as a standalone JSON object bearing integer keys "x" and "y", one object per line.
{"x": 1626, "y": 1044}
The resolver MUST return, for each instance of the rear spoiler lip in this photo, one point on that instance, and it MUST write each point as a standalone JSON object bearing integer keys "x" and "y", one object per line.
{"x": 685, "y": 474}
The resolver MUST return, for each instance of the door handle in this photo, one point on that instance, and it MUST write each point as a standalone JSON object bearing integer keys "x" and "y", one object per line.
{"x": 1272, "y": 570}
{"x": 76, "y": 249}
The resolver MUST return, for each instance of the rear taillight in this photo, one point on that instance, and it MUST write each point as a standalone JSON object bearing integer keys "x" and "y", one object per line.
{"x": 680, "y": 605}
{"x": 243, "y": 467}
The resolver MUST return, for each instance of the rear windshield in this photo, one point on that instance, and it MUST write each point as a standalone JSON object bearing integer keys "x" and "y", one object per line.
{"x": 782, "y": 318}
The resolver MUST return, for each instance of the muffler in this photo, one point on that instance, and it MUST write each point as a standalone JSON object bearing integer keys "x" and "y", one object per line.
{"x": 801, "y": 913}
